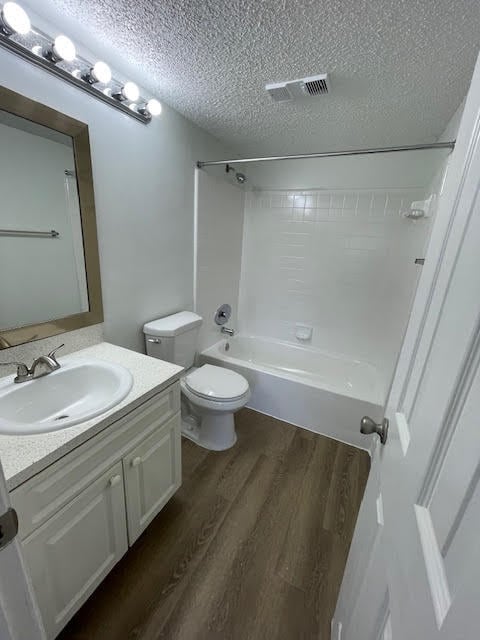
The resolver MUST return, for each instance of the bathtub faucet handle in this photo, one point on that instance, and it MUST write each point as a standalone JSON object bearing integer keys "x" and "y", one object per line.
{"x": 229, "y": 332}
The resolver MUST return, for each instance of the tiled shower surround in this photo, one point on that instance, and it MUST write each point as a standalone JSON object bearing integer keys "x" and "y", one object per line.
{"x": 341, "y": 261}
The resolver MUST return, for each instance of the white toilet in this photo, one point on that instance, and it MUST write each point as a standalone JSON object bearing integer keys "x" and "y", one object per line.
{"x": 210, "y": 395}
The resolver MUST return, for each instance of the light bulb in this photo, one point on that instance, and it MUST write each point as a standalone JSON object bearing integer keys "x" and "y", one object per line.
{"x": 151, "y": 108}
{"x": 130, "y": 91}
{"x": 14, "y": 19}
{"x": 154, "y": 107}
{"x": 101, "y": 72}
{"x": 63, "y": 49}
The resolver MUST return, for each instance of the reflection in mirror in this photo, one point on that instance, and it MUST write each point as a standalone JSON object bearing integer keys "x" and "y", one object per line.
{"x": 42, "y": 265}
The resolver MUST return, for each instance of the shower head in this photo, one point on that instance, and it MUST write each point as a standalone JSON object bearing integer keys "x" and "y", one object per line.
{"x": 241, "y": 177}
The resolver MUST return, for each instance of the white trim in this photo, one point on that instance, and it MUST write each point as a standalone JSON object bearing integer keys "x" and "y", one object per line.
{"x": 195, "y": 237}
{"x": 336, "y": 630}
{"x": 456, "y": 208}
{"x": 442, "y": 250}
{"x": 19, "y": 614}
{"x": 403, "y": 432}
{"x": 73, "y": 213}
{"x": 452, "y": 415}
{"x": 379, "y": 506}
{"x": 437, "y": 577}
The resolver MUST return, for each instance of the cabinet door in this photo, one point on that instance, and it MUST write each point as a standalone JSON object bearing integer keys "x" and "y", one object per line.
{"x": 152, "y": 475}
{"x": 71, "y": 553}
{"x": 47, "y": 492}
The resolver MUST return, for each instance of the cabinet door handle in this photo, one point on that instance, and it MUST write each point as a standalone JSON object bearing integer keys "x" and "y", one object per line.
{"x": 115, "y": 480}
{"x": 135, "y": 462}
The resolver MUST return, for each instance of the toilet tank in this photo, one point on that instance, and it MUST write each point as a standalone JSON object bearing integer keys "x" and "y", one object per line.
{"x": 173, "y": 338}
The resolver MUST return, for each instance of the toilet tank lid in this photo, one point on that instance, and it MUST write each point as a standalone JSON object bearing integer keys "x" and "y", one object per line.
{"x": 172, "y": 325}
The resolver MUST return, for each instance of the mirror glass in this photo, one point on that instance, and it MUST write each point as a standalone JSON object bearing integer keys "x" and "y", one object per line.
{"x": 42, "y": 264}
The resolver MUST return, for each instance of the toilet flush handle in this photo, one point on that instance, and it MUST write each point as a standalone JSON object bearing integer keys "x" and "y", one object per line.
{"x": 154, "y": 340}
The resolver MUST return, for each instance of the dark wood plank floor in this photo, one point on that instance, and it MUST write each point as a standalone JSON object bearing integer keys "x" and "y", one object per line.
{"x": 253, "y": 546}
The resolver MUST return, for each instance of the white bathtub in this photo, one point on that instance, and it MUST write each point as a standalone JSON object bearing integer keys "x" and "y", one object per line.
{"x": 307, "y": 387}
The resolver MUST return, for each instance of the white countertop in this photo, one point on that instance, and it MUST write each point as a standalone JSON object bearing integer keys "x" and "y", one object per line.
{"x": 24, "y": 456}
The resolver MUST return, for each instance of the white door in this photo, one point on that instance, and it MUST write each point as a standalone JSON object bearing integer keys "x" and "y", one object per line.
{"x": 413, "y": 571}
{"x": 19, "y": 617}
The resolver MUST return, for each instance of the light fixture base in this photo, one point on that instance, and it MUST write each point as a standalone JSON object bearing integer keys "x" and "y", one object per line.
{"x": 88, "y": 77}
{"x": 145, "y": 113}
{"x": 49, "y": 54}
{"x": 118, "y": 95}
{"x": 38, "y": 49}
{"x": 4, "y": 30}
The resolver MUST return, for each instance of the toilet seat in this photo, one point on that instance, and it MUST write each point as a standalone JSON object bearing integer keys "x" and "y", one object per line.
{"x": 210, "y": 395}
{"x": 216, "y": 384}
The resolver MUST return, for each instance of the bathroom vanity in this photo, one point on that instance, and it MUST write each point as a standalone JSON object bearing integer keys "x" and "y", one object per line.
{"x": 102, "y": 457}
{"x": 84, "y": 494}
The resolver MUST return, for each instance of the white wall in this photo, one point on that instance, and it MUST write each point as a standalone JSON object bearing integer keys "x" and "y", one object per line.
{"x": 451, "y": 129}
{"x": 341, "y": 261}
{"x": 326, "y": 244}
{"x": 144, "y": 180}
{"x": 38, "y": 276}
{"x": 339, "y": 257}
{"x": 72, "y": 341}
{"x": 382, "y": 171}
{"x": 220, "y": 212}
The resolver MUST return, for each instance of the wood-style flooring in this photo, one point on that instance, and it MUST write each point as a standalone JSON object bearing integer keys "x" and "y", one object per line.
{"x": 253, "y": 545}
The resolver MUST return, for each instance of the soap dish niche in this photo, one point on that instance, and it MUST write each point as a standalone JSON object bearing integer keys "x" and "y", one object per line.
{"x": 303, "y": 332}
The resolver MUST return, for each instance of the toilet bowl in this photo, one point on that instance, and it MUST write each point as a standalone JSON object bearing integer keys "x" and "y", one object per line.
{"x": 210, "y": 395}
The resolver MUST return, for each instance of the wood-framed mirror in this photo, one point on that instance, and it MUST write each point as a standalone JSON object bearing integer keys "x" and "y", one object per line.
{"x": 49, "y": 264}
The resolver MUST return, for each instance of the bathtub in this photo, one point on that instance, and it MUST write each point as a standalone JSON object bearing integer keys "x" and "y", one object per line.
{"x": 312, "y": 389}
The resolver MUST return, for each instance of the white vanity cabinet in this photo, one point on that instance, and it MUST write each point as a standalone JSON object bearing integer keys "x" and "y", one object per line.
{"x": 78, "y": 516}
{"x": 73, "y": 551}
{"x": 151, "y": 477}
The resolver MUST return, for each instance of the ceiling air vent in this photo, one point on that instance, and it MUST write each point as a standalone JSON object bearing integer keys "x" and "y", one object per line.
{"x": 310, "y": 87}
{"x": 278, "y": 91}
{"x": 316, "y": 85}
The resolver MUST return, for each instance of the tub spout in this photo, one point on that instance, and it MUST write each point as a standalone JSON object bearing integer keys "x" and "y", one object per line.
{"x": 229, "y": 332}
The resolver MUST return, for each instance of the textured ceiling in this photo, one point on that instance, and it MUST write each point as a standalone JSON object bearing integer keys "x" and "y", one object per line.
{"x": 399, "y": 68}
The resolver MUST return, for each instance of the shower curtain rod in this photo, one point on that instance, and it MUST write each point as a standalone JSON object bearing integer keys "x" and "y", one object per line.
{"x": 333, "y": 154}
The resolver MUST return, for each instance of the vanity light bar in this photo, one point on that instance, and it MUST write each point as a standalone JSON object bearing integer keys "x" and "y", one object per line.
{"x": 58, "y": 56}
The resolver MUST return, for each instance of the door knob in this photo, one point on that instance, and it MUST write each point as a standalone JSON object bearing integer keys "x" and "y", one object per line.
{"x": 368, "y": 426}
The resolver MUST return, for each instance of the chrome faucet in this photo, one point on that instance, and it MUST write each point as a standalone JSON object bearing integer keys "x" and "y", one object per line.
{"x": 229, "y": 332}
{"x": 48, "y": 363}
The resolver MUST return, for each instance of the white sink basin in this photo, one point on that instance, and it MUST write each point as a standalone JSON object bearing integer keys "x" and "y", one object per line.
{"x": 76, "y": 392}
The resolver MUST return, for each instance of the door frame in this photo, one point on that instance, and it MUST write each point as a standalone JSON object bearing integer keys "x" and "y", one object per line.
{"x": 19, "y": 614}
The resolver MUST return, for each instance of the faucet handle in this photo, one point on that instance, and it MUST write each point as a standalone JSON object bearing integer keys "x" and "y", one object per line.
{"x": 54, "y": 351}
{"x": 13, "y": 363}
{"x": 23, "y": 371}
